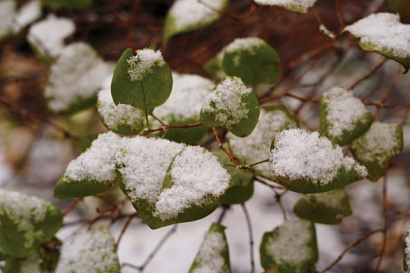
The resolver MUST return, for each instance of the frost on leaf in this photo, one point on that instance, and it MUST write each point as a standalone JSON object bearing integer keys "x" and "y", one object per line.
{"x": 306, "y": 163}
{"x": 189, "y": 15}
{"x": 29, "y": 264}
{"x": 47, "y": 36}
{"x": 384, "y": 34}
{"x": 342, "y": 116}
{"x": 143, "y": 81}
{"x": 256, "y": 147}
{"x": 233, "y": 105}
{"x": 290, "y": 248}
{"x": 184, "y": 106}
{"x": 325, "y": 207}
{"x": 294, "y": 5}
{"x": 75, "y": 79}
{"x": 121, "y": 118}
{"x": 213, "y": 254}
{"x": 92, "y": 251}
{"x": 376, "y": 148}
{"x": 25, "y": 222}
{"x": 252, "y": 60}
{"x": 406, "y": 260}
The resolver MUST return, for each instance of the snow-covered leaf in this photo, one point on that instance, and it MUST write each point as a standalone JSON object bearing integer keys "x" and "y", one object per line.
{"x": 213, "y": 254}
{"x": 290, "y": 248}
{"x": 121, "y": 118}
{"x": 29, "y": 264}
{"x": 293, "y": 5}
{"x": 75, "y": 79}
{"x": 406, "y": 259}
{"x": 342, "y": 116}
{"x": 376, "y": 148}
{"x": 325, "y": 207}
{"x": 384, "y": 34}
{"x": 233, "y": 105}
{"x": 26, "y": 222}
{"x": 69, "y": 4}
{"x": 27, "y": 14}
{"x": 189, "y": 15}
{"x": 92, "y": 251}
{"x": 252, "y": 60}
{"x": 304, "y": 162}
{"x": 143, "y": 81}
{"x": 256, "y": 147}
{"x": 7, "y": 12}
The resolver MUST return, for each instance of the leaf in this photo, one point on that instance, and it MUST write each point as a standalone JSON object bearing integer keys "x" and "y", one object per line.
{"x": 85, "y": 142}
{"x": 401, "y": 7}
{"x": 68, "y": 4}
{"x": 325, "y": 208}
{"x": 252, "y": 60}
{"x": 214, "y": 66}
{"x": 143, "y": 81}
{"x": 26, "y": 222}
{"x": 290, "y": 248}
{"x": 293, "y": 5}
{"x": 29, "y": 264}
{"x": 256, "y": 147}
{"x": 213, "y": 254}
{"x": 121, "y": 119}
{"x": 304, "y": 162}
{"x": 233, "y": 105}
{"x": 377, "y": 147}
{"x": 75, "y": 79}
{"x": 92, "y": 251}
{"x": 383, "y": 33}
{"x": 406, "y": 259}
{"x": 242, "y": 186}
{"x": 185, "y": 16}
{"x": 50, "y": 255}
{"x": 342, "y": 116}
{"x": 7, "y": 13}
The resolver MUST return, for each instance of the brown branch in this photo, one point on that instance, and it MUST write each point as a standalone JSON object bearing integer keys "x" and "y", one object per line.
{"x": 225, "y": 208}
{"x": 231, "y": 157}
{"x": 278, "y": 97}
{"x": 133, "y": 13}
{"x": 384, "y": 228}
{"x": 257, "y": 163}
{"x": 166, "y": 127}
{"x": 388, "y": 91}
{"x": 248, "y": 222}
{"x": 339, "y": 15}
{"x": 368, "y": 74}
{"x": 124, "y": 228}
{"x": 72, "y": 206}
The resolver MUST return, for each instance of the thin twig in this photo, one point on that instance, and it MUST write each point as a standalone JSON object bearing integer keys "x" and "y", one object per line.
{"x": 124, "y": 228}
{"x": 384, "y": 228}
{"x": 259, "y": 162}
{"x": 339, "y": 15}
{"x": 223, "y": 213}
{"x": 72, "y": 206}
{"x": 248, "y": 222}
{"x": 368, "y": 74}
{"x": 231, "y": 157}
{"x": 166, "y": 127}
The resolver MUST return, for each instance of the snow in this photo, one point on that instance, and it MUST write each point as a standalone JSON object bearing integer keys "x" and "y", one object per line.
{"x": 407, "y": 251}
{"x": 142, "y": 63}
{"x": 243, "y": 44}
{"x": 323, "y": 29}
{"x": 191, "y": 12}
{"x": 343, "y": 110}
{"x": 226, "y": 101}
{"x": 209, "y": 254}
{"x": 48, "y": 35}
{"x": 27, "y": 14}
{"x": 89, "y": 252}
{"x": 299, "y": 154}
{"x": 302, "y": 5}
{"x": 7, "y": 11}
{"x": 385, "y": 32}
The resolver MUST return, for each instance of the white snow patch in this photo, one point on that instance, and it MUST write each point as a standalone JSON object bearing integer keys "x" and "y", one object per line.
{"x": 142, "y": 63}
{"x": 303, "y": 5}
{"x": 244, "y": 44}
{"x": 7, "y": 12}
{"x": 323, "y": 29}
{"x": 209, "y": 254}
{"x": 407, "y": 251}
{"x": 27, "y": 14}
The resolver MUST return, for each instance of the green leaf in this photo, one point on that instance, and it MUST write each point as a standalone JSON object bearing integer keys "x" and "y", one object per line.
{"x": 377, "y": 147}
{"x": 242, "y": 186}
{"x": 50, "y": 255}
{"x": 29, "y": 264}
{"x": 143, "y": 81}
{"x": 401, "y": 7}
{"x": 293, "y": 5}
{"x": 325, "y": 208}
{"x": 85, "y": 142}
{"x": 121, "y": 119}
{"x": 214, "y": 66}
{"x": 290, "y": 248}
{"x": 252, "y": 60}
{"x": 233, "y": 105}
{"x": 26, "y": 222}
{"x": 304, "y": 162}
{"x": 383, "y": 33}
{"x": 342, "y": 116}
{"x": 213, "y": 254}
{"x": 186, "y": 16}
{"x": 92, "y": 251}
{"x": 69, "y": 4}
{"x": 256, "y": 147}
{"x": 406, "y": 259}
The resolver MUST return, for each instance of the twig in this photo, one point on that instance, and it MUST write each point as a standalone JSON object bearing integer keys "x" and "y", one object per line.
{"x": 130, "y": 35}
{"x": 368, "y": 74}
{"x": 388, "y": 91}
{"x": 339, "y": 15}
{"x": 248, "y": 221}
{"x": 225, "y": 208}
{"x": 72, "y": 206}
{"x": 384, "y": 228}
{"x": 166, "y": 127}
{"x": 278, "y": 197}
{"x": 259, "y": 162}
{"x": 124, "y": 228}
{"x": 231, "y": 157}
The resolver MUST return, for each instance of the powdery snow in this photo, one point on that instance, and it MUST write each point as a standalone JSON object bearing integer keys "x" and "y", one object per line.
{"x": 27, "y": 14}
{"x": 302, "y": 5}
{"x": 243, "y": 44}
{"x": 407, "y": 251}
{"x": 142, "y": 63}
{"x": 344, "y": 110}
{"x": 299, "y": 154}
{"x": 7, "y": 11}
{"x": 385, "y": 32}
{"x": 323, "y": 29}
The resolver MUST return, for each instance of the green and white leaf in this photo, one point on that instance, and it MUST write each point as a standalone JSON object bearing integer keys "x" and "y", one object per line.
{"x": 26, "y": 222}
{"x": 232, "y": 105}
{"x": 406, "y": 259}
{"x": 377, "y": 147}
{"x": 92, "y": 251}
{"x": 68, "y": 4}
{"x": 29, "y": 264}
{"x": 214, "y": 66}
{"x": 7, "y": 13}
{"x": 385, "y": 34}
{"x": 184, "y": 107}
{"x": 252, "y": 60}
{"x": 304, "y": 162}
{"x": 256, "y": 147}
{"x": 290, "y": 248}
{"x": 189, "y": 15}
{"x": 75, "y": 79}
{"x": 301, "y": 6}
{"x": 143, "y": 81}
{"x": 213, "y": 254}
{"x": 325, "y": 207}
{"x": 342, "y": 116}
{"x": 121, "y": 118}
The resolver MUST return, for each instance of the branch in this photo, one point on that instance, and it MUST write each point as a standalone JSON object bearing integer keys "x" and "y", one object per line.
{"x": 248, "y": 221}
{"x": 368, "y": 74}
{"x": 225, "y": 208}
{"x": 124, "y": 228}
{"x": 384, "y": 228}
{"x": 72, "y": 206}
{"x": 231, "y": 157}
